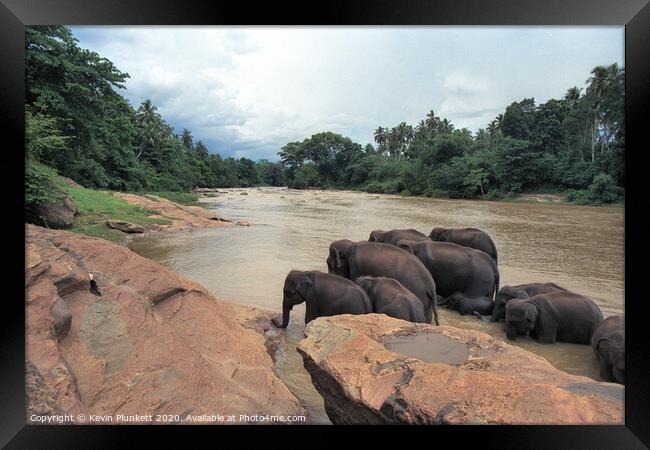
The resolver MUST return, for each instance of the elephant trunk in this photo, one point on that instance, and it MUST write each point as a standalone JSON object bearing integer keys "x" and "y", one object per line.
{"x": 511, "y": 333}
{"x": 286, "y": 311}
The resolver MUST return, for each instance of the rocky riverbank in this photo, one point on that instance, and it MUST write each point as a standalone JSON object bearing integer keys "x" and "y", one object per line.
{"x": 109, "y": 332}
{"x": 373, "y": 369}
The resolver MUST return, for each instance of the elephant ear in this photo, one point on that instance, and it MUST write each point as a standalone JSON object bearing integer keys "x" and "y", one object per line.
{"x": 530, "y": 312}
{"x": 520, "y": 293}
{"x": 375, "y": 236}
{"x": 304, "y": 284}
{"x": 405, "y": 245}
{"x": 337, "y": 258}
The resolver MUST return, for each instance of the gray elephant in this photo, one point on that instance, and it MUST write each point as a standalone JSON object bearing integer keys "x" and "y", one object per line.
{"x": 556, "y": 316}
{"x": 356, "y": 259}
{"x": 393, "y": 236}
{"x": 466, "y": 278}
{"x": 468, "y": 237}
{"x": 324, "y": 294}
{"x": 478, "y": 306}
{"x": 507, "y": 293}
{"x": 608, "y": 343}
{"x": 389, "y": 297}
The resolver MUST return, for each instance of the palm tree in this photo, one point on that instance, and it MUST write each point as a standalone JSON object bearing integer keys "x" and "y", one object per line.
{"x": 381, "y": 137}
{"x": 445, "y": 126}
{"x": 186, "y": 139}
{"x": 147, "y": 113}
{"x": 597, "y": 85}
{"x": 149, "y": 138}
{"x": 494, "y": 127}
{"x": 432, "y": 121}
{"x": 573, "y": 94}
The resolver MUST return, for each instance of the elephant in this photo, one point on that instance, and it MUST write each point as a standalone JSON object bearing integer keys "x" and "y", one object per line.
{"x": 325, "y": 294}
{"x": 608, "y": 343}
{"x": 393, "y": 236}
{"x": 507, "y": 293}
{"x": 478, "y": 306}
{"x": 389, "y": 297}
{"x": 355, "y": 259}
{"x": 466, "y": 279}
{"x": 555, "y": 316}
{"x": 468, "y": 237}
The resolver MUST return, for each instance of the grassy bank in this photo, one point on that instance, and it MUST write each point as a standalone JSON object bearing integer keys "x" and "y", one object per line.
{"x": 95, "y": 207}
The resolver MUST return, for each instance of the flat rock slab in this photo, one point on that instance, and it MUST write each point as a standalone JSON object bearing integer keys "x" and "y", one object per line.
{"x": 182, "y": 217}
{"x": 373, "y": 369}
{"x": 125, "y": 227}
{"x": 145, "y": 342}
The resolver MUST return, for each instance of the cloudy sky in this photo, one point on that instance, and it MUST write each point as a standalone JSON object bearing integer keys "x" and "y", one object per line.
{"x": 247, "y": 91}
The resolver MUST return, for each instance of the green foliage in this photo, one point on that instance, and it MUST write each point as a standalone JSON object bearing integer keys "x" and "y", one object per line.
{"x": 576, "y": 143}
{"x": 78, "y": 123}
{"x": 95, "y": 207}
{"x": 306, "y": 176}
{"x": 40, "y": 184}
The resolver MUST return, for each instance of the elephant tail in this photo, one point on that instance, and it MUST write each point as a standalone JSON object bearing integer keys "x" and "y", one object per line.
{"x": 497, "y": 280}
{"x": 433, "y": 298}
{"x": 494, "y": 252}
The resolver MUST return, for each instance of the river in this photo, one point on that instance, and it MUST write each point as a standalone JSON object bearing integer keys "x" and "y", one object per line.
{"x": 578, "y": 247}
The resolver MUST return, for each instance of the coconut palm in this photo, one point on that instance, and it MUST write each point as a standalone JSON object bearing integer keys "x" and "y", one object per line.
{"x": 381, "y": 138}
{"x": 147, "y": 113}
{"x": 597, "y": 86}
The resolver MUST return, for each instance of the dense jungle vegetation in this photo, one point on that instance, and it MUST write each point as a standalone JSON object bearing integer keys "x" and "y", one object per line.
{"x": 80, "y": 126}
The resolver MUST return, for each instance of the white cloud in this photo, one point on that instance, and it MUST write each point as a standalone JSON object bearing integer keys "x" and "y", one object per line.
{"x": 246, "y": 91}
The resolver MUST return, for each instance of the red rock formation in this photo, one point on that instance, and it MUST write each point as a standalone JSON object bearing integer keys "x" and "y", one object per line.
{"x": 363, "y": 382}
{"x": 145, "y": 342}
{"x": 182, "y": 216}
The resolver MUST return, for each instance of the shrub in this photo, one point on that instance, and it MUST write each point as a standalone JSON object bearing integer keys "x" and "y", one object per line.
{"x": 40, "y": 184}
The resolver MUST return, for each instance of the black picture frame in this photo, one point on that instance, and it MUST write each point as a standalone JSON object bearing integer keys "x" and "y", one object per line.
{"x": 633, "y": 14}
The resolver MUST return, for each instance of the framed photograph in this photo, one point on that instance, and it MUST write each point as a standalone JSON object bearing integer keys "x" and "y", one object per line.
{"x": 365, "y": 214}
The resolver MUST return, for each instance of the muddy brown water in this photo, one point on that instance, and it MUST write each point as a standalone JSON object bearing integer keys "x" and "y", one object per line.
{"x": 578, "y": 247}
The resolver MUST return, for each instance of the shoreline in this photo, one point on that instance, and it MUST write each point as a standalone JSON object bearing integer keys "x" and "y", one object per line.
{"x": 555, "y": 198}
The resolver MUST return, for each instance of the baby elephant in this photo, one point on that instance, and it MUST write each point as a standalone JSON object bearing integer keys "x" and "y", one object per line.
{"x": 608, "y": 343}
{"x": 325, "y": 294}
{"x": 479, "y": 306}
{"x": 555, "y": 316}
{"x": 507, "y": 293}
{"x": 390, "y": 297}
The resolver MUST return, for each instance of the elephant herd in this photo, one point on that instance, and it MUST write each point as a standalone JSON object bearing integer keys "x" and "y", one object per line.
{"x": 406, "y": 274}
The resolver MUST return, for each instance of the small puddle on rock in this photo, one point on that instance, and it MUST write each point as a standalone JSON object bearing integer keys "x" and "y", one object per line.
{"x": 430, "y": 347}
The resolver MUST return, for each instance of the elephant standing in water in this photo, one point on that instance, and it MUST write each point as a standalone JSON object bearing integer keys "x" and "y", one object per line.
{"x": 324, "y": 294}
{"x": 394, "y": 236}
{"x": 555, "y": 316}
{"x": 466, "y": 279}
{"x": 467, "y": 237}
{"x": 355, "y": 259}
{"x": 608, "y": 343}
{"x": 507, "y": 293}
{"x": 389, "y": 297}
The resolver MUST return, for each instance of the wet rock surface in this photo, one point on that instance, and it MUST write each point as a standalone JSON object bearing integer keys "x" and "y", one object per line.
{"x": 151, "y": 343}
{"x": 373, "y": 369}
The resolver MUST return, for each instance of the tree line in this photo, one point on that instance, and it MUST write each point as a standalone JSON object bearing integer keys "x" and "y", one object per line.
{"x": 79, "y": 124}
{"x": 575, "y": 145}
